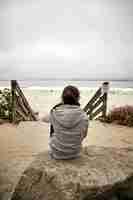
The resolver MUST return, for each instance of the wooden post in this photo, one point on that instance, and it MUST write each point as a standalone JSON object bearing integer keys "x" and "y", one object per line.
{"x": 13, "y": 86}
{"x": 105, "y": 89}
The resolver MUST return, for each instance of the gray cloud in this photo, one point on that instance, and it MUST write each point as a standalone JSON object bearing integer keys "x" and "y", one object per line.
{"x": 89, "y": 38}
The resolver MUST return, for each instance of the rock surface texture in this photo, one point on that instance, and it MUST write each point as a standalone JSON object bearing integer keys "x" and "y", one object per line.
{"x": 99, "y": 174}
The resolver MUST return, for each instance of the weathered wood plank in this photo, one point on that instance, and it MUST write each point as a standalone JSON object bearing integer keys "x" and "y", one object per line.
{"x": 92, "y": 115}
{"x": 25, "y": 118}
{"x": 20, "y": 105}
{"x": 25, "y": 101}
{"x": 93, "y": 99}
{"x": 94, "y": 106}
{"x": 99, "y": 97}
{"x": 19, "y": 117}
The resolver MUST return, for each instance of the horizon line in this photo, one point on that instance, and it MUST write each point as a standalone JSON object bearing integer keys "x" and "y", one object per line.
{"x": 70, "y": 79}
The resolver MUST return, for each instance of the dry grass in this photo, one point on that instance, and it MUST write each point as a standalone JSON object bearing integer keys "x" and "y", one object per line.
{"x": 122, "y": 115}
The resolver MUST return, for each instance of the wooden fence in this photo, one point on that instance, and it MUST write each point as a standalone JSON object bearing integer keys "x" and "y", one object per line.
{"x": 20, "y": 110}
{"x": 98, "y": 103}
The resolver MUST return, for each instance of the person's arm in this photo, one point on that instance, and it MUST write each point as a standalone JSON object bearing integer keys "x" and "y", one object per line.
{"x": 84, "y": 133}
{"x": 46, "y": 118}
{"x": 84, "y": 128}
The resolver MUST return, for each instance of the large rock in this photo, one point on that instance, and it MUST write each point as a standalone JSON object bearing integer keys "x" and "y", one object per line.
{"x": 99, "y": 174}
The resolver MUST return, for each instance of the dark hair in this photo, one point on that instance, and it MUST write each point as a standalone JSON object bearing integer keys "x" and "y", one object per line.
{"x": 71, "y": 95}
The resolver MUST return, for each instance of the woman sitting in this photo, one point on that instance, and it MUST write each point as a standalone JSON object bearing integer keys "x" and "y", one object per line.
{"x": 69, "y": 125}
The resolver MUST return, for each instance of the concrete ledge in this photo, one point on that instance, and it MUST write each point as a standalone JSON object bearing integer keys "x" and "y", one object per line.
{"x": 99, "y": 174}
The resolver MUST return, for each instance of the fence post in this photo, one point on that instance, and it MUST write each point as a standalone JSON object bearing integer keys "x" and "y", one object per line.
{"x": 13, "y": 86}
{"x": 105, "y": 89}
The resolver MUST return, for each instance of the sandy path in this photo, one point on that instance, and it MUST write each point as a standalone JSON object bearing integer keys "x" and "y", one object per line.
{"x": 19, "y": 145}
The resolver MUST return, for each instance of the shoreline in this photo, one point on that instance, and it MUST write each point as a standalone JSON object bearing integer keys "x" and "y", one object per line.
{"x": 36, "y": 87}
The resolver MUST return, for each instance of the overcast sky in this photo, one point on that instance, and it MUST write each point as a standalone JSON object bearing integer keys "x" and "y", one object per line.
{"x": 66, "y": 38}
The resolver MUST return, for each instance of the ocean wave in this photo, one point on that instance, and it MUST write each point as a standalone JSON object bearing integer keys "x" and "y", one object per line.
{"x": 121, "y": 91}
{"x": 82, "y": 89}
{"x": 43, "y": 88}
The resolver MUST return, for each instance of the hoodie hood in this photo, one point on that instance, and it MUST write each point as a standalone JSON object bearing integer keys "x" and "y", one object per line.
{"x": 68, "y": 116}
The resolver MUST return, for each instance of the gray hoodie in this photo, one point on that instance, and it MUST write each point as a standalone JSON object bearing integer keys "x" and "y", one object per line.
{"x": 70, "y": 125}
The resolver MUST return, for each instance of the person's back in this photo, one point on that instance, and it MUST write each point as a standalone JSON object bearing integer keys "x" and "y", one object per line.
{"x": 69, "y": 125}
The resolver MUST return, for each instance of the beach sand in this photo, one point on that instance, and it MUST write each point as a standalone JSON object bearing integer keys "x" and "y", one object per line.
{"x": 20, "y": 144}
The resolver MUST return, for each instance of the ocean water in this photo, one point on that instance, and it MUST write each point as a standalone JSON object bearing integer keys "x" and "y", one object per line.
{"x": 85, "y": 86}
{"x": 51, "y": 83}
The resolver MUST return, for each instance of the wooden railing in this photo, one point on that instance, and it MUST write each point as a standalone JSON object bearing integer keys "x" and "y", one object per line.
{"x": 98, "y": 103}
{"x": 20, "y": 110}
